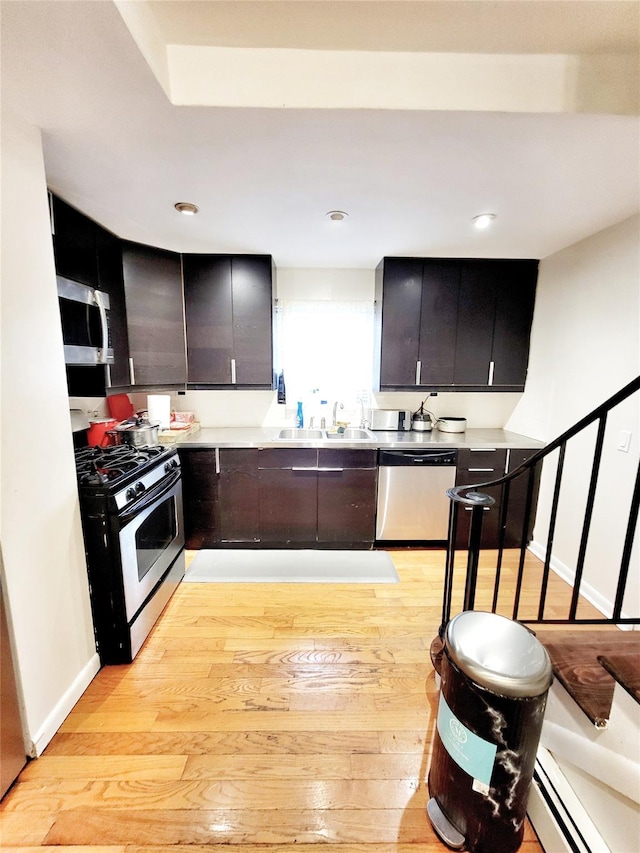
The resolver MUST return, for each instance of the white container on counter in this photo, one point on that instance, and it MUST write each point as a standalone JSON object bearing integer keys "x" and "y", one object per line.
{"x": 159, "y": 409}
{"x": 450, "y": 424}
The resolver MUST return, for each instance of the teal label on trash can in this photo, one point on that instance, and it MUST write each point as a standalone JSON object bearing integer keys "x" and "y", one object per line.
{"x": 470, "y": 752}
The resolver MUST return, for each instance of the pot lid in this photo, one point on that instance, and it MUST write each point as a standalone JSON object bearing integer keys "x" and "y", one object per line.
{"x": 128, "y": 426}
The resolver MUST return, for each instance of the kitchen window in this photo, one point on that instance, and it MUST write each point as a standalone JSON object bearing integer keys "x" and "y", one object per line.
{"x": 325, "y": 345}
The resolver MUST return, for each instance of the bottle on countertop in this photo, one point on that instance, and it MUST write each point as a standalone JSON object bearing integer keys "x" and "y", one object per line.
{"x": 282, "y": 391}
{"x": 299, "y": 415}
{"x": 324, "y": 408}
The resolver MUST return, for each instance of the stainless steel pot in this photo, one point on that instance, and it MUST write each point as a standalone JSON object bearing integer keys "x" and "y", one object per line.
{"x": 138, "y": 433}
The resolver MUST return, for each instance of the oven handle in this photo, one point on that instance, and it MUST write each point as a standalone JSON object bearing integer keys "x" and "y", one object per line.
{"x": 149, "y": 497}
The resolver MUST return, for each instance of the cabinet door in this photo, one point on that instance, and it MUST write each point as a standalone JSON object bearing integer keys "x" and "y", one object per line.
{"x": 288, "y": 496}
{"x": 110, "y": 280}
{"x": 209, "y": 318}
{"x": 346, "y": 497}
{"x": 480, "y": 466}
{"x": 400, "y": 291}
{"x": 228, "y": 307}
{"x": 251, "y": 279}
{"x": 238, "y": 496}
{"x": 200, "y": 497}
{"x": 515, "y": 287}
{"x": 74, "y": 243}
{"x": 518, "y": 500}
{"x": 438, "y": 322}
{"x": 153, "y": 289}
{"x": 474, "y": 335}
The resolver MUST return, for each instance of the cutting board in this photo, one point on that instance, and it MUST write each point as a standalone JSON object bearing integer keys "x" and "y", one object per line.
{"x": 120, "y": 407}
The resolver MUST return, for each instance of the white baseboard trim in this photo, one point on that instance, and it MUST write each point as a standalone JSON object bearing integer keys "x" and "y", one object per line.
{"x": 557, "y": 815}
{"x": 64, "y": 706}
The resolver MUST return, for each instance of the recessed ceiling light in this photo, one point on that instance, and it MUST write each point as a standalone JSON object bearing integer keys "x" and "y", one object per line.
{"x": 484, "y": 220}
{"x": 186, "y": 207}
{"x": 337, "y": 215}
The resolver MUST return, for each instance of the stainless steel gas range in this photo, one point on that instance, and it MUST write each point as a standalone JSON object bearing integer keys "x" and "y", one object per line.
{"x": 131, "y": 509}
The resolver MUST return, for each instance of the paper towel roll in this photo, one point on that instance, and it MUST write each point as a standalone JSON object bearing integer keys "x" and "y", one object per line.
{"x": 159, "y": 409}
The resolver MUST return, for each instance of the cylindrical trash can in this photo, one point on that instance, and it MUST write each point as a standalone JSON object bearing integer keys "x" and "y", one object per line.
{"x": 495, "y": 676}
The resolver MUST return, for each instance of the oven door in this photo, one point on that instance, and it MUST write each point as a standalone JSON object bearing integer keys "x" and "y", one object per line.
{"x": 151, "y": 536}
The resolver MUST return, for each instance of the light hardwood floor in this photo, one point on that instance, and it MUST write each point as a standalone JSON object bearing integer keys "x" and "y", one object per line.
{"x": 257, "y": 716}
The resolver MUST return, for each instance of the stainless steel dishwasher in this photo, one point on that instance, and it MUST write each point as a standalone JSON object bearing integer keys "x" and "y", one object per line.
{"x": 412, "y": 500}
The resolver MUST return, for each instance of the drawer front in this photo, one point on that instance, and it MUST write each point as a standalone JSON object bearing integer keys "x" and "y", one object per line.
{"x": 287, "y": 457}
{"x": 479, "y": 466}
{"x": 347, "y": 458}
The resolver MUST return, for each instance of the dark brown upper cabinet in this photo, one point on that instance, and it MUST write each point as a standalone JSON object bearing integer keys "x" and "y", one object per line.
{"x": 453, "y": 324}
{"x": 88, "y": 253}
{"x": 74, "y": 243}
{"x": 155, "y": 318}
{"x": 229, "y": 311}
{"x": 495, "y": 311}
{"x": 110, "y": 280}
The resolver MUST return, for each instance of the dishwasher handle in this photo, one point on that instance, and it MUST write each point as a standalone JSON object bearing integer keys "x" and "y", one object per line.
{"x": 416, "y": 458}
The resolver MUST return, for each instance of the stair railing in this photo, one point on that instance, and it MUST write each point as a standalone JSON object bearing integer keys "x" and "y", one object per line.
{"x": 473, "y": 497}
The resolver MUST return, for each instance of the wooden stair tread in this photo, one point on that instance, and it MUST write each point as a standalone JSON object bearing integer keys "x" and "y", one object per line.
{"x": 575, "y": 658}
{"x": 625, "y": 668}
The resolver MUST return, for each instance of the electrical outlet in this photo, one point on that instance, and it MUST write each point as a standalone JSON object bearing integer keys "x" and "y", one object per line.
{"x": 624, "y": 441}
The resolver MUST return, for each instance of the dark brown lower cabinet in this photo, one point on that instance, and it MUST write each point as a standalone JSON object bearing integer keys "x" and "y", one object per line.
{"x": 484, "y": 465}
{"x": 347, "y": 481}
{"x": 317, "y": 498}
{"x": 517, "y": 503}
{"x": 220, "y": 497}
{"x": 288, "y": 496}
{"x": 279, "y": 497}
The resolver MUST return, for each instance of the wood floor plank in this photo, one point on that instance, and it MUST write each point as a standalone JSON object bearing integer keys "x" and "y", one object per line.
{"x": 236, "y": 794}
{"x": 162, "y": 767}
{"x": 224, "y": 826}
{"x": 215, "y": 743}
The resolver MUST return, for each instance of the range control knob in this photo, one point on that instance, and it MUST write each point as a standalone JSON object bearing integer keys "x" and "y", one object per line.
{"x": 167, "y": 466}
{"x": 139, "y": 487}
{"x": 130, "y": 493}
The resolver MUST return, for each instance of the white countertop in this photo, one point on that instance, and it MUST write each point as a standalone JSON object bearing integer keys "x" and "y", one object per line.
{"x": 209, "y": 437}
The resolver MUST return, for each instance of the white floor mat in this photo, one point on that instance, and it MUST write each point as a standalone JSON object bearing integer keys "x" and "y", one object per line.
{"x": 284, "y": 566}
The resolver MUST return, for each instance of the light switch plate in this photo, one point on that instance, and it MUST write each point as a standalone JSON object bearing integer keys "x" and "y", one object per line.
{"x": 624, "y": 440}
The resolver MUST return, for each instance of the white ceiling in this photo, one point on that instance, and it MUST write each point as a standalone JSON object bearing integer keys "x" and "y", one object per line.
{"x": 411, "y": 180}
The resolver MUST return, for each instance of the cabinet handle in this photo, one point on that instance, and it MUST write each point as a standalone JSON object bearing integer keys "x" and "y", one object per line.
{"x": 233, "y": 371}
{"x": 107, "y": 374}
{"x": 330, "y": 469}
{"x": 132, "y": 373}
{"x": 304, "y": 469}
{"x": 482, "y": 449}
{"x": 470, "y": 508}
{"x": 217, "y": 458}
{"x": 480, "y": 470}
{"x": 491, "y": 367}
{"x": 418, "y": 371}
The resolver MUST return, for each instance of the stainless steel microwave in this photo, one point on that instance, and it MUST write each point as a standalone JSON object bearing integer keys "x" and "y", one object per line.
{"x": 84, "y": 312}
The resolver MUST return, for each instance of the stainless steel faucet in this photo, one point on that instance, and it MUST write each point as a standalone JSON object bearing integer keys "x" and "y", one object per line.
{"x": 336, "y": 406}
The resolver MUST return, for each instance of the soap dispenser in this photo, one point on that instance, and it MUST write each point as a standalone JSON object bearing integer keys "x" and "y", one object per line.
{"x": 299, "y": 416}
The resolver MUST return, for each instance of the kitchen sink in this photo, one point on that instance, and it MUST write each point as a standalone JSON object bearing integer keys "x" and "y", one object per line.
{"x": 300, "y": 434}
{"x": 304, "y": 434}
{"x": 351, "y": 434}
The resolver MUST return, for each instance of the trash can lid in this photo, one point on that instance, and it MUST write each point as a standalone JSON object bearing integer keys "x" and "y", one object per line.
{"x": 499, "y": 654}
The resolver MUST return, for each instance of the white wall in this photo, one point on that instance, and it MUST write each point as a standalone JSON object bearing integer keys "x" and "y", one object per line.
{"x": 585, "y": 346}
{"x": 45, "y": 571}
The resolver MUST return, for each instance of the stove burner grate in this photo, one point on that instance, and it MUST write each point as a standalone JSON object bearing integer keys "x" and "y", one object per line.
{"x": 106, "y": 465}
